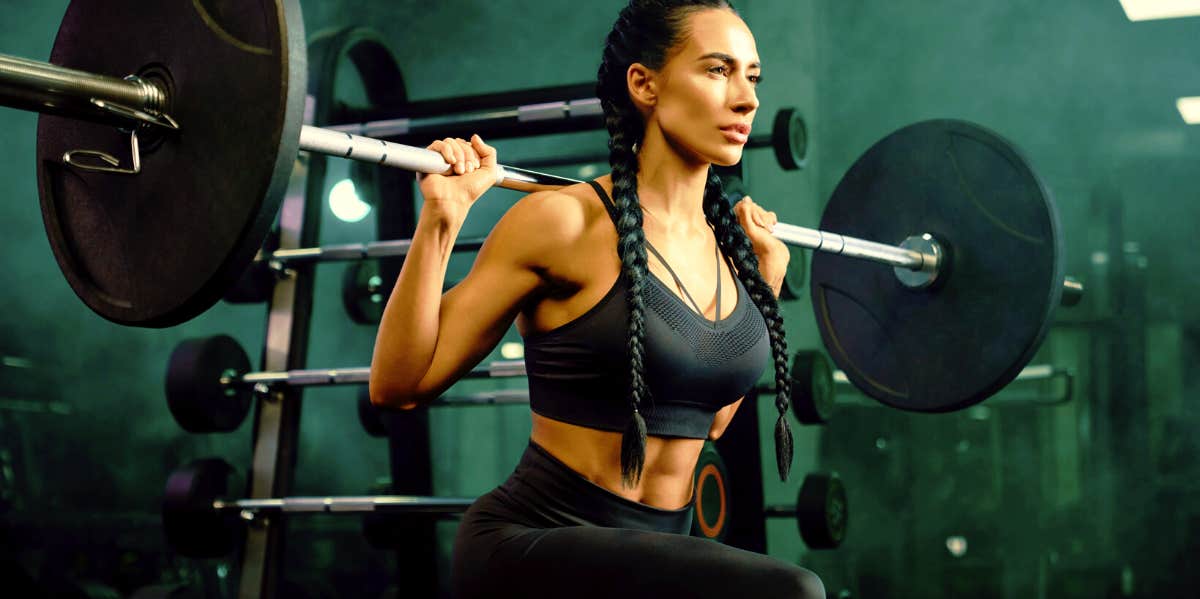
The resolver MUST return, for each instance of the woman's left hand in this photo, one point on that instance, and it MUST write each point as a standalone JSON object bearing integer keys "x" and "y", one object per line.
{"x": 759, "y": 223}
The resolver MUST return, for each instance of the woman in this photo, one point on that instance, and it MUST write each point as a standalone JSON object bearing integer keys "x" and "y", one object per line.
{"x": 630, "y": 365}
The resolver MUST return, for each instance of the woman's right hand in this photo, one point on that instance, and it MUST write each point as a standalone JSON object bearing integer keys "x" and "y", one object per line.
{"x": 473, "y": 165}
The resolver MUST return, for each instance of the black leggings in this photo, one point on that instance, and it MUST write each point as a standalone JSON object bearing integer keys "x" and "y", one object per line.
{"x": 549, "y": 532}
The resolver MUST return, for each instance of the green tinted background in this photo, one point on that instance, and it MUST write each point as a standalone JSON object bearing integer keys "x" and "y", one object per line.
{"x": 1095, "y": 497}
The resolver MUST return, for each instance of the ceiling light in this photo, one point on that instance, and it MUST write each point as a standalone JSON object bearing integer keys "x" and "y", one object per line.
{"x": 1145, "y": 10}
{"x": 1189, "y": 109}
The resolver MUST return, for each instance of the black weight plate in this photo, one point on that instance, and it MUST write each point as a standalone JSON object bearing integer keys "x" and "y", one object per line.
{"x": 812, "y": 387}
{"x": 192, "y": 526}
{"x": 362, "y": 292}
{"x": 789, "y": 138}
{"x": 795, "y": 276}
{"x": 196, "y": 397}
{"x": 821, "y": 511}
{"x": 955, "y": 344}
{"x": 157, "y": 248}
{"x": 711, "y": 500}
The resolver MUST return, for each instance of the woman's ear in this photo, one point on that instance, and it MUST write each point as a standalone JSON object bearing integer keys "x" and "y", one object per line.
{"x": 643, "y": 86}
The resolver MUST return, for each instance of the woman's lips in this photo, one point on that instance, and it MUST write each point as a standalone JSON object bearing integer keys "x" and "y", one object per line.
{"x": 738, "y": 134}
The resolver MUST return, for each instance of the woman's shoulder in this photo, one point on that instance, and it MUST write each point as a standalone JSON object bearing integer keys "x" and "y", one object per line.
{"x": 564, "y": 215}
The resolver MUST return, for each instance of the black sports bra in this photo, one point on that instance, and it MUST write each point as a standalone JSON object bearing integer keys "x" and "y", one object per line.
{"x": 579, "y": 372}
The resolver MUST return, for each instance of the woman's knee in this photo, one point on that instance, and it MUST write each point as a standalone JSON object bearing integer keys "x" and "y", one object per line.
{"x": 798, "y": 583}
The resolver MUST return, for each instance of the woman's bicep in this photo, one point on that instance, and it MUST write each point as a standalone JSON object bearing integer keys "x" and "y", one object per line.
{"x": 474, "y": 316}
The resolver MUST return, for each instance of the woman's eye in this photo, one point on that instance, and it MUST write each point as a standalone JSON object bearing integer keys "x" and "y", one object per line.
{"x": 719, "y": 69}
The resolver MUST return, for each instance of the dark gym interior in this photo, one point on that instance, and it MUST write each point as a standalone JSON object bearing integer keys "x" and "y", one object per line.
{"x": 1076, "y": 481}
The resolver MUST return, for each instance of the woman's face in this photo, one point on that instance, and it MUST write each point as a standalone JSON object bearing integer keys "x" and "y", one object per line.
{"x": 706, "y": 97}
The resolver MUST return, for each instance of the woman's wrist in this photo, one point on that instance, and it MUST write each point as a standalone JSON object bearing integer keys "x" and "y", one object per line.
{"x": 774, "y": 258}
{"x": 772, "y": 265}
{"x": 440, "y": 227}
{"x": 441, "y": 217}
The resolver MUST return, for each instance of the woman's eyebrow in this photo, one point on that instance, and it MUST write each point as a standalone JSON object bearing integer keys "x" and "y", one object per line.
{"x": 728, "y": 59}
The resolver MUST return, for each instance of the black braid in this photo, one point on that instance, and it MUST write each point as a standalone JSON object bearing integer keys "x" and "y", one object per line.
{"x": 631, "y": 247}
{"x": 644, "y": 33}
{"x": 735, "y": 244}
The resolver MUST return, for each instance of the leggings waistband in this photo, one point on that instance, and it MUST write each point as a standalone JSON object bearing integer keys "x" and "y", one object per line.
{"x": 556, "y": 495}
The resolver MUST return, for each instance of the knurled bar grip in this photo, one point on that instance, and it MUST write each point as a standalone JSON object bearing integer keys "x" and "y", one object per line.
{"x": 386, "y": 153}
{"x": 850, "y": 246}
{"x": 409, "y": 504}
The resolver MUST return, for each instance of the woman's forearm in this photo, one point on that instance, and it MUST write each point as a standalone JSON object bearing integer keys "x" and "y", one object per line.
{"x": 408, "y": 331}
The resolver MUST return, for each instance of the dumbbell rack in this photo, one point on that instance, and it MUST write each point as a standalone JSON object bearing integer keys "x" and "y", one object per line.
{"x": 276, "y": 425}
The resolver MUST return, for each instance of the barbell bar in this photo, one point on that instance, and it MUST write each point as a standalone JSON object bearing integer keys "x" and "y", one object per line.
{"x": 199, "y": 521}
{"x": 392, "y": 504}
{"x": 788, "y": 138}
{"x": 815, "y": 384}
{"x": 210, "y": 387}
{"x": 560, "y": 110}
{"x": 917, "y": 260}
{"x": 69, "y": 92}
{"x": 975, "y": 229}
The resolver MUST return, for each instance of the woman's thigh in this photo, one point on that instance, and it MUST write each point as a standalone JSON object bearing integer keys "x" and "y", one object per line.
{"x": 587, "y": 561}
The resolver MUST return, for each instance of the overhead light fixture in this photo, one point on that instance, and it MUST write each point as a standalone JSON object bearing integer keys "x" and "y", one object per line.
{"x": 1189, "y": 109}
{"x": 345, "y": 203}
{"x": 1146, "y": 10}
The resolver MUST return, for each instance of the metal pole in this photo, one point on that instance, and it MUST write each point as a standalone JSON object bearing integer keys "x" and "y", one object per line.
{"x": 366, "y": 149}
{"x": 360, "y": 375}
{"x": 539, "y": 112}
{"x": 50, "y": 89}
{"x": 1032, "y": 372}
{"x": 420, "y": 160}
{"x": 405, "y": 504}
{"x": 359, "y": 251}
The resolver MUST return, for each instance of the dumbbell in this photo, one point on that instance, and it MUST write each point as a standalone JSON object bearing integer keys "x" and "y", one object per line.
{"x": 209, "y": 384}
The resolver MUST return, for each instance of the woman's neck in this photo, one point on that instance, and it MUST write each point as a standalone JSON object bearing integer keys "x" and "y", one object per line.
{"x": 670, "y": 187}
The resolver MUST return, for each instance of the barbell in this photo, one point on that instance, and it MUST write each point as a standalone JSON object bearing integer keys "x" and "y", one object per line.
{"x": 815, "y": 386}
{"x": 209, "y": 383}
{"x": 209, "y": 108}
{"x": 200, "y": 521}
{"x": 788, "y": 138}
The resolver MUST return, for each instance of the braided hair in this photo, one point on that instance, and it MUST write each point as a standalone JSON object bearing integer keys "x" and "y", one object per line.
{"x": 645, "y": 32}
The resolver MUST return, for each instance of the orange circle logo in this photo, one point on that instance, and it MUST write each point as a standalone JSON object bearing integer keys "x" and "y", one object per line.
{"x": 710, "y": 530}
